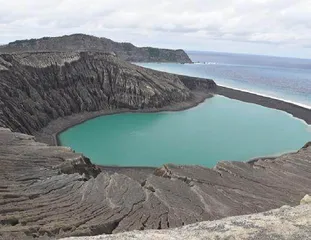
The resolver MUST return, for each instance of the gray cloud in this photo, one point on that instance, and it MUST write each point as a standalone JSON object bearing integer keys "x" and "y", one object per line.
{"x": 262, "y": 21}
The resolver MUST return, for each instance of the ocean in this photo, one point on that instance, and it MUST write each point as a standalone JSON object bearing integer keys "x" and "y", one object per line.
{"x": 287, "y": 79}
{"x": 216, "y": 130}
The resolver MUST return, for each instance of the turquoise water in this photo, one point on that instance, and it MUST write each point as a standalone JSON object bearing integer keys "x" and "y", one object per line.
{"x": 218, "y": 129}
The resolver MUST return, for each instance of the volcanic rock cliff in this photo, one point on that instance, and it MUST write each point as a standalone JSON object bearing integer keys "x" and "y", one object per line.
{"x": 82, "y": 42}
{"x": 36, "y": 88}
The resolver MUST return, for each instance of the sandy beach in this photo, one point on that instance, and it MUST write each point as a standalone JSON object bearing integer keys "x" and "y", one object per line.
{"x": 297, "y": 111}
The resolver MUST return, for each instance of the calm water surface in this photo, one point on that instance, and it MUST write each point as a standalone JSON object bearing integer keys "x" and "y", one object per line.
{"x": 219, "y": 129}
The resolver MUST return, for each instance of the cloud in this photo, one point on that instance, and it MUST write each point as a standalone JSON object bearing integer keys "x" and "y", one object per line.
{"x": 258, "y": 21}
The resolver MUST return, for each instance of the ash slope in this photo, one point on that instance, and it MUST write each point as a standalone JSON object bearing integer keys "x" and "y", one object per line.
{"x": 82, "y": 42}
{"x": 49, "y": 192}
{"x": 38, "y": 87}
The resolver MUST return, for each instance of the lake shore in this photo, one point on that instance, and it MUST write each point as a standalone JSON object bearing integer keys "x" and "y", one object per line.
{"x": 293, "y": 109}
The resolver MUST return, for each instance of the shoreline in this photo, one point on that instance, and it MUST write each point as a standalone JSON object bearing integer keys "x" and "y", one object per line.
{"x": 50, "y": 133}
{"x": 297, "y": 111}
{"x": 299, "y": 104}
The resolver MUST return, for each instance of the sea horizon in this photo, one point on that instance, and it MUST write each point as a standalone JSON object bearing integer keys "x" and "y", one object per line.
{"x": 249, "y": 73}
{"x": 189, "y": 51}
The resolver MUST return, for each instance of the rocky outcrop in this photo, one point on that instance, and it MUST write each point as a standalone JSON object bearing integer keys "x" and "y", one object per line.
{"x": 306, "y": 200}
{"x": 82, "y": 42}
{"x": 50, "y": 191}
{"x": 36, "y": 88}
{"x": 285, "y": 223}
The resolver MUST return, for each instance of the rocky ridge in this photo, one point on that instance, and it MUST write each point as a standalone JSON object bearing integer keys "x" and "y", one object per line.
{"x": 48, "y": 191}
{"x": 82, "y": 42}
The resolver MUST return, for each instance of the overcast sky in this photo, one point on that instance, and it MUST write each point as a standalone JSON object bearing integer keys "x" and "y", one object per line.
{"x": 270, "y": 27}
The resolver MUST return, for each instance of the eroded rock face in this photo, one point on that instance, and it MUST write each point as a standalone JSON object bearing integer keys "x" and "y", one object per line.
{"x": 36, "y": 88}
{"x": 82, "y": 42}
{"x": 50, "y": 191}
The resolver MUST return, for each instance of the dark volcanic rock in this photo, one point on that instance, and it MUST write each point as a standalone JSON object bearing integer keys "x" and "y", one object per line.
{"x": 51, "y": 191}
{"x": 81, "y": 42}
{"x": 36, "y": 88}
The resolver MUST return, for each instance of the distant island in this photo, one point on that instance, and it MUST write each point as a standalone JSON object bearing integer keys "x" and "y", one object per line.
{"x": 82, "y": 42}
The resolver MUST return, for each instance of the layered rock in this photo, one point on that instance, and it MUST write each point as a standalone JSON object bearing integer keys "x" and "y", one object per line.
{"x": 82, "y": 42}
{"x": 50, "y": 191}
{"x": 38, "y": 87}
